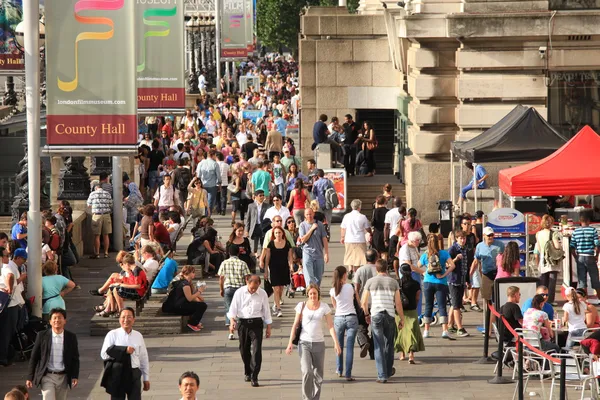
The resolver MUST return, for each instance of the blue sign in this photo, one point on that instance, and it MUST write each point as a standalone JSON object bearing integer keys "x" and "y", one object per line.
{"x": 252, "y": 115}
{"x": 509, "y": 223}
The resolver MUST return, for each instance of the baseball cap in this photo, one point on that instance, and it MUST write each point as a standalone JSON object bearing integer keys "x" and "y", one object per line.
{"x": 488, "y": 231}
{"x": 20, "y": 253}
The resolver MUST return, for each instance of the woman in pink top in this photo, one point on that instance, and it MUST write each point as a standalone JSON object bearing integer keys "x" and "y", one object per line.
{"x": 508, "y": 263}
{"x": 411, "y": 224}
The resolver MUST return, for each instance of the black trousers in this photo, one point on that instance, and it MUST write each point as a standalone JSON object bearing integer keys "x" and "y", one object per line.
{"x": 363, "y": 336}
{"x": 8, "y": 328}
{"x": 548, "y": 279}
{"x": 250, "y": 332}
{"x": 350, "y": 159}
{"x": 135, "y": 391}
{"x": 195, "y": 309}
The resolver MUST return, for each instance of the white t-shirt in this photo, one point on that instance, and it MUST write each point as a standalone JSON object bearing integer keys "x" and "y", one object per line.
{"x": 355, "y": 224}
{"x": 224, "y": 170}
{"x": 408, "y": 253}
{"x": 181, "y": 155}
{"x": 151, "y": 268}
{"x": 12, "y": 268}
{"x": 45, "y": 250}
{"x": 393, "y": 218}
{"x": 312, "y": 322}
{"x": 576, "y": 321}
{"x": 173, "y": 235}
{"x": 344, "y": 301}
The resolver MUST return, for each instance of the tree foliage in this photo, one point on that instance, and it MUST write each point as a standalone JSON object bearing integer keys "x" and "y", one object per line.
{"x": 278, "y": 21}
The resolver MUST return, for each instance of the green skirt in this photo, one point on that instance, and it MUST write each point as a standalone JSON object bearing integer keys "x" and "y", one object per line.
{"x": 409, "y": 338}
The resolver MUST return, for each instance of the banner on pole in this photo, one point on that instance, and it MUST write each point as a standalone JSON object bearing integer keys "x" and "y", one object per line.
{"x": 249, "y": 13}
{"x": 160, "y": 53}
{"x": 11, "y": 14}
{"x": 91, "y": 87}
{"x": 233, "y": 29}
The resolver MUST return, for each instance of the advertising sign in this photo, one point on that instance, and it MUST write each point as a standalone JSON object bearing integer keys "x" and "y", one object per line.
{"x": 90, "y": 58}
{"x": 509, "y": 226}
{"x": 338, "y": 177}
{"x": 249, "y": 15}
{"x": 11, "y": 14}
{"x": 160, "y": 53}
{"x": 233, "y": 29}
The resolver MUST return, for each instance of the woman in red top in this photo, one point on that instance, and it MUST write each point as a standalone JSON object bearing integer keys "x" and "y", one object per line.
{"x": 412, "y": 224}
{"x": 298, "y": 201}
{"x": 161, "y": 234}
{"x": 132, "y": 286}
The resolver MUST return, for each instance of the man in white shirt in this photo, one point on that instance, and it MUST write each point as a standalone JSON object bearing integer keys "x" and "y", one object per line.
{"x": 352, "y": 236}
{"x": 277, "y": 209}
{"x": 250, "y": 307}
{"x": 120, "y": 344}
{"x": 390, "y": 231}
{"x": 189, "y": 383}
{"x": 11, "y": 282}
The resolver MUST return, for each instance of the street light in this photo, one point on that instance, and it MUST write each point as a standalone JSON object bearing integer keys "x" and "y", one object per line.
{"x": 20, "y": 34}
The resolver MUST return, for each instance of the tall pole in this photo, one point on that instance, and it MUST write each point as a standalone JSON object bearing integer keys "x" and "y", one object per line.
{"x": 227, "y": 73}
{"x": 218, "y": 42}
{"x": 117, "y": 182}
{"x": 31, "y": 37}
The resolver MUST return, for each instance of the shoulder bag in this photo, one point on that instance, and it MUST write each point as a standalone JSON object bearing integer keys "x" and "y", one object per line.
{"x": 298, "y": 330}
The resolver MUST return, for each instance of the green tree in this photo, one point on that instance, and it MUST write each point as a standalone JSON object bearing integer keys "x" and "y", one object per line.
{"x": 278, "y": 21}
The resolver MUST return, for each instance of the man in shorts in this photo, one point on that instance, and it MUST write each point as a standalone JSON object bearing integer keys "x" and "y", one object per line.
{"x": 100, "y": 201}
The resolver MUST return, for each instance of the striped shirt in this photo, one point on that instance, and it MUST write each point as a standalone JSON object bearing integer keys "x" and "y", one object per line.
{"x": 56, "y": 362}
{"x": 585, "y": 240}
{"x": 100, "y": 201}
{"x": 382, "y": 290}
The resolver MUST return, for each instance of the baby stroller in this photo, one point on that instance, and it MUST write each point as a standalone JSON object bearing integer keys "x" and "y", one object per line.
{"x": 26, "y": 333}
{"x": 292, "y": 289}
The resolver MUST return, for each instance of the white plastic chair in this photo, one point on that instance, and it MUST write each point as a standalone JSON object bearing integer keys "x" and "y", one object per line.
{"x": 574, "y": 375}
{"x": 534, "y": 365}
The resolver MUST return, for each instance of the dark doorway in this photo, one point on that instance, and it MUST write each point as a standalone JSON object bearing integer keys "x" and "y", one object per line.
{"x": 383, "y": 123}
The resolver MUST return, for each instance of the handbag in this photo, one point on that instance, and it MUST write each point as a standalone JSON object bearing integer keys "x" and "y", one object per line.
{"x": 233, "y": 188}
{"x": 372, "y": 145}
{"x": 268, "y": 288}
{"x": 298, "y": 330}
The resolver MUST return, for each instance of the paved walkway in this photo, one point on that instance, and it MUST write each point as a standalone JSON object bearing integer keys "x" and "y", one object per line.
{"x": 444, "y": 370}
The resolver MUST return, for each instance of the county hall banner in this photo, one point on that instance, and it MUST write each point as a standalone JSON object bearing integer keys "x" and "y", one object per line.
{"x": 160, "y": 53}
{"x": 91, "y": 86}
{"x": 233, "y": 29}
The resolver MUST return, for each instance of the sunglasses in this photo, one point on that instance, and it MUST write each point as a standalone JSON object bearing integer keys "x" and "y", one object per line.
{"x": 291, "y": 222}
{"x": 490, "y": 235}
{"x": 545, "y": 294}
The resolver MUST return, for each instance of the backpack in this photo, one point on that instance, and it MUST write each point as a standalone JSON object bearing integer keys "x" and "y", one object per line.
{"x": 185, "y": 177}
{"x": 54, "y": 242}
{"x": 331, "y": 198}
{"x": 552, "y": 255}
{"x": 404, "y": 299}
{"x": 433, "y": 265}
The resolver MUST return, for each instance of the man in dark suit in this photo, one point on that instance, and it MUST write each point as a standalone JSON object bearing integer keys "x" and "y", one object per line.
{"x": 54, "y": 363}
{"x": 254, "y": 219}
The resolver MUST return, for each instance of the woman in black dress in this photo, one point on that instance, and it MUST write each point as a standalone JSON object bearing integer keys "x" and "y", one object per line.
{"x": 238, "y": 239}
{"x": 369, "y": 145}
{"x": 278, "y": 265}
{"x": 378, "y": 222}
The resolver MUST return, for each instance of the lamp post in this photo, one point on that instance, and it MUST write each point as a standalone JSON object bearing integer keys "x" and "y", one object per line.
{"x": 32, "y": 43}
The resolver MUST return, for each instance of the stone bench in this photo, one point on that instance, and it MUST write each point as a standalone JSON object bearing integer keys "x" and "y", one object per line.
{"x": 486, "y": 199}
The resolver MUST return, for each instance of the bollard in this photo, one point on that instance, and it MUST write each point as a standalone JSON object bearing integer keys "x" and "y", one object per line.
{"x": 499, "y": 379}
{"x": 521, "y": 388}
{"x": 563, "y": 382}
{"x": 486, "y": 341}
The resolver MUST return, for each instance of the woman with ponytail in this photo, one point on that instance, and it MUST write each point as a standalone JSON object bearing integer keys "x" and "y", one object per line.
{"x": 574, "y": 315}
{"x": 409, "y": 339}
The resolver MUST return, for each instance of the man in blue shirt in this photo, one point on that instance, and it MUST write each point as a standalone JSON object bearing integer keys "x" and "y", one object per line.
{"x": 584, "y": 246}
{"x": 320, "y": 186}
{"x": 546, "y": 307}
{"x": 481, "y": 176}
{"x": 280, "y": 123}
{"x": 485, "y": 261}
{"x": 19, "y": 231}
{"x": 165, "y": 276}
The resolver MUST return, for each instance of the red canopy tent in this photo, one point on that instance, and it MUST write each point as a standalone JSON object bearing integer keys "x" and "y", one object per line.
{"x": 574, "y": 169}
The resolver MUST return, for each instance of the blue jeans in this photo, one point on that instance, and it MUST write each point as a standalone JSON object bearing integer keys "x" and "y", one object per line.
{"x": 383, "y": 327}
{"x": 587, "y": 265}
{"x": 469, "y": 186}
{"x": 440, "y": 293}
{"x": 280, "y": 190}
{"x": 348, "y": 324}
{"x": 313, "y": 269}
{"x": 574, "y": 333}
{"x": 212, "y": 197}
{"x": 228, "y": 296}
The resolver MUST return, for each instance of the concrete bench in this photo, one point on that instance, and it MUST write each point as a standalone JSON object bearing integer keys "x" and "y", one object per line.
{"x": 483, "y": 194}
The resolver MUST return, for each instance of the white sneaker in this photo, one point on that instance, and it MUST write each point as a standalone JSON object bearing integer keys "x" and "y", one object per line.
{"x": 274, "y": 308}
{"x": 281, "y": 302}
{"x": 425, "y": 334}
{"x": 279, "y": 313}
{"x": 231, "y": 337}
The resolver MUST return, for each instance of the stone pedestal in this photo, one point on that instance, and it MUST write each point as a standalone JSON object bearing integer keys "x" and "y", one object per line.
{"x": 100, "y": 164}
{"x": 75, "y": 181}
{"x": 21, "y": 203}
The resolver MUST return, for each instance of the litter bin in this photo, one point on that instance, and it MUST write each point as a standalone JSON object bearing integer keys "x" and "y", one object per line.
{"x": 445, "y": 210}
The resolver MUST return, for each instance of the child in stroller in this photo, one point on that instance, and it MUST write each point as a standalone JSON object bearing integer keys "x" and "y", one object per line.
{"x": 298, "y": 284}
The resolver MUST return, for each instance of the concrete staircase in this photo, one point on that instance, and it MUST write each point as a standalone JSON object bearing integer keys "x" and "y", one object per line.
{"x": 367, "y": 189}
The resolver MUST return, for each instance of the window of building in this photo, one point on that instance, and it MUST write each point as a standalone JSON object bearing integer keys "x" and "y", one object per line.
{"x": 574, "y": 4}
{"x": 574, "y": 101}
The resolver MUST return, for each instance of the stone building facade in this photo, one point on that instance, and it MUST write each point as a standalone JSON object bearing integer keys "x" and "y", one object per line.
{"x": 452, "y": 69}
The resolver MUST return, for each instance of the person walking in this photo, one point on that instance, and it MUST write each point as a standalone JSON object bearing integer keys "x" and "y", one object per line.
{"x": 363, "y": 274}
{"x": 248, "y": 313}
{"x": 457, "y": 281}
{"x": 584, "y": 247}
{"x": 254, "y": 218}
{"x": 189, "y": 384}
{"x": 547, "y": 243}
{"x": 311, "y": 344}
{"x": 232, "y": 276}
{"x": 409, "y": 339}
{"x": 315, "y": 249}
{"x": 126, "y": 362}
{"x": 345, "y": 321}
{"x": 166, "y": 195}
{"x": 298, "y": 201}
{"x": 101, "y": 203}
{"x": 209, "y": 173}
{"x": 384, "y": 293}
{"x": 278, "y": 264}
{"x": 352, "y": 236}
{"x": 54, "y": 362}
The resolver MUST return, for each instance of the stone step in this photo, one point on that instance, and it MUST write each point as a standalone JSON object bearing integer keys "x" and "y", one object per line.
{"x": 151, "y": 322}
